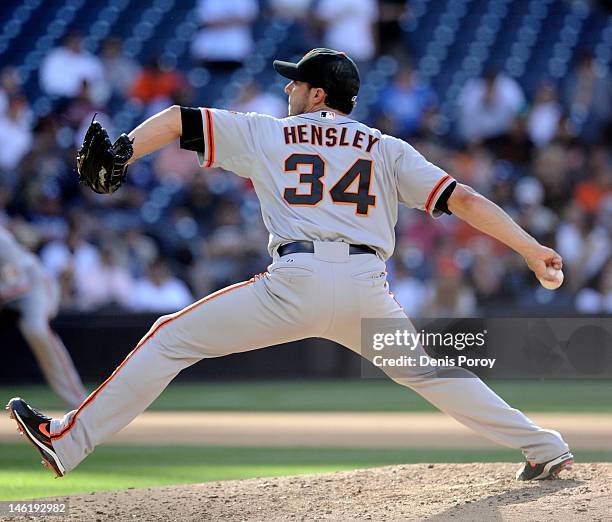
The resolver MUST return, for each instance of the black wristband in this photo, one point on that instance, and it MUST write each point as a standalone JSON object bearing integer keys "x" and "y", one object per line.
{"x": 192, "y": 137}
{"x": 442, "y": 203}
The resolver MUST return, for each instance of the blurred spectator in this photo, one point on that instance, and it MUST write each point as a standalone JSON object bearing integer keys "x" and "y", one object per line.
{"x": 570, "y": 237}
{"x": 75, "y": 254}
{"x": 297, "y": 16}
{"x": 591, "y": 191}
{"x": 514, "y": 145}
{"x": 597, "y": 300}
{"x": 38, "y": 180}
{"x": 225, "y": 39}
{"x": 488, "y": 105}
{"x": 15, "y": 133}
{"x": 141, "y": 251}
{"x": 10, "y": 86}
{"x": 486, "y": 272}
{"x": 551, "y": 167}
{"x": 173, "y": 164}
{"x": 112, "y": 285}
{"x": 200, "y": 200}
{"x": 586, "y": 248}
{"x": 160, "y": 291}
{"x": 605, "y": 288}
{"x": 177, "y": 236}
{"x": 292, "y": 10}
{"x": 232, "y": 250}
{"x": 537, "y": 219}
{"x": 348, "y": 26}
{"x": 544, "y": 116}
{"x": 252, "y": 99}
{"x": 588, "y": 96}
{"x": 81, "y": 107}
{"x": 64, "y": 69}
{"x": 409, "y": 292}
{"x": 120, "y": 70}
{"x": 6, "y": 193}
{"x": 474, "y": 165}
{"x": 157, "y": 87}
{"x": 449, "y": 295}
{"x": 391, "y": 15}
{"x": 404, "y": 103}
{"x": 67, "y": 290}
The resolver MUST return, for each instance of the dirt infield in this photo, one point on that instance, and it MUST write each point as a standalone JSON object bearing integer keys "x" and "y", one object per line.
{"x": 356, "y": 430}
{"x": 465, "y": 492}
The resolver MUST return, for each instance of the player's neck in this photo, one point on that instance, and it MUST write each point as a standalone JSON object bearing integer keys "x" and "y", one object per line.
{"x": 323, "y": 107}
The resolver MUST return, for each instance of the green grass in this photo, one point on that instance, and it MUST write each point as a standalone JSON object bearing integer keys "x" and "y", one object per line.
{"x": 120, "y": 467}
{"x": 348, "y": 395}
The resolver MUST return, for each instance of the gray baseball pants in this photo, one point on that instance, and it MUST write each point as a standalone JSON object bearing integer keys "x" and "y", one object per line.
{"x": 325, "y": 294}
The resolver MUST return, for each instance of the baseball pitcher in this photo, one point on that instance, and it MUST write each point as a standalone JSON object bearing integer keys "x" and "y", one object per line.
{"x": 329, "y": 188}
{"x": 31, "y": 298}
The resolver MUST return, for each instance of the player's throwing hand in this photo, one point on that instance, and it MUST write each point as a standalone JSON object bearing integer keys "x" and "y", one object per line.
{"x": 539, "y": 258}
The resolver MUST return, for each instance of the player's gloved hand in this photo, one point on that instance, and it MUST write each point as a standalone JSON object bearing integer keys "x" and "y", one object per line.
{"x": 539, "y": 257}
{"x": 102, "y": 165}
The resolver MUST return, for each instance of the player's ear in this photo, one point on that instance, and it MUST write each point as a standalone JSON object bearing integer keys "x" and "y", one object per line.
{"x": 318, "y": 95}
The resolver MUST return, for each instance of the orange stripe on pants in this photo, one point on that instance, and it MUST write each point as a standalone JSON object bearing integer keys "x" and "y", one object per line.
{"x": 148, "y": 336}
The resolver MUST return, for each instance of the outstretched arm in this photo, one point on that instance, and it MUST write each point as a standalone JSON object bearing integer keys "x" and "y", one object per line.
{"x": 156, "y": 132}
{"x": 102, "y": 165}
{"x": 486, "y": 216}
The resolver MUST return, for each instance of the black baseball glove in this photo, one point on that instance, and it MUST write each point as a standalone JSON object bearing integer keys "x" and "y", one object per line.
{"x": 102, "y": 165}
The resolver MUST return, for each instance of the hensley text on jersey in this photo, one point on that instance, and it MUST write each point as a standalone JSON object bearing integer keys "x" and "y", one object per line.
{"x": 330, "y": 137}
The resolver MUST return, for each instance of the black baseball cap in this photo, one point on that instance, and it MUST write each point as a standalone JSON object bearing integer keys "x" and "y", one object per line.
{"x": 330, "y": 70}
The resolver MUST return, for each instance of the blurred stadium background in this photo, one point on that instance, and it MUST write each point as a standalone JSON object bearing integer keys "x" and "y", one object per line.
{"x": 513, "y": 97}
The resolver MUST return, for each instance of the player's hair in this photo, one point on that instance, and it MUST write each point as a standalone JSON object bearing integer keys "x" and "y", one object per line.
{"x": 344, "y": 104}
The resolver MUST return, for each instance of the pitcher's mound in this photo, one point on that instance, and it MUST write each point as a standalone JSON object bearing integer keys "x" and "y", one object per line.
{"x": 410, "y": 492}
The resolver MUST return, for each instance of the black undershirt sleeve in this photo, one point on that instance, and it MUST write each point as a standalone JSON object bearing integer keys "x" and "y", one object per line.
{"x": 192, "y": 137}
{"x": 442, "y": 203}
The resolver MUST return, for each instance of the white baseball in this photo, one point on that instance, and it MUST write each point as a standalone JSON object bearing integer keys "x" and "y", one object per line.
{"x": 557, "y": 274}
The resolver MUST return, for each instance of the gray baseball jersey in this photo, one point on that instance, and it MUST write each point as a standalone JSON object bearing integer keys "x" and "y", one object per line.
{"x": 25, "y": 287}
{"x": 323, "y": 176}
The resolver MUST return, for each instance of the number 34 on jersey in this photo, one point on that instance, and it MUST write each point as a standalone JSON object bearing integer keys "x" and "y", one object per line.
{"x": 353, "y": 187}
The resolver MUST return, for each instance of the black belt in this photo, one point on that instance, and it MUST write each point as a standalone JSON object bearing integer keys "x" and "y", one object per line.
{"x": 306, "y": 247}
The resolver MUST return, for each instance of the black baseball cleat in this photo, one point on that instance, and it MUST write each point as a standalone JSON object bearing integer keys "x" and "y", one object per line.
{"x": 545, "y": 470}
{"x": 35, "y": 426}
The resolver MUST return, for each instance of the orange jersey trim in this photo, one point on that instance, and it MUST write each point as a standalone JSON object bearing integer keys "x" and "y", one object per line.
{"x": 211, "y": 138}
{"x": 434, "y": 192}
{"x": 152, "y": 332}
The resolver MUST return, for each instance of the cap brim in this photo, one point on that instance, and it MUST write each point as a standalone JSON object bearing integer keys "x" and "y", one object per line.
{"x": 288, "y": 70}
